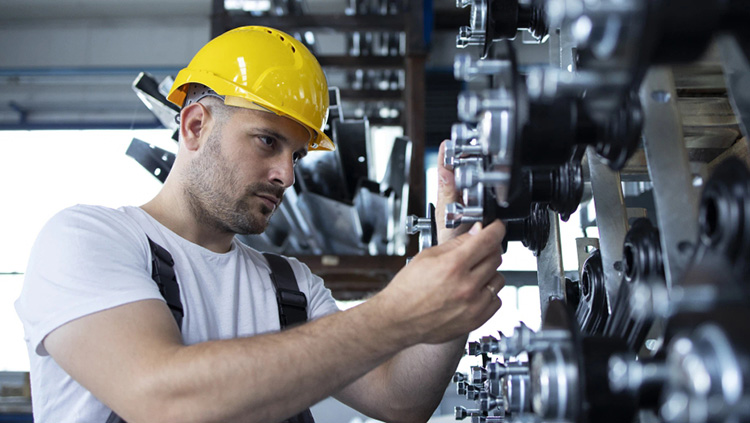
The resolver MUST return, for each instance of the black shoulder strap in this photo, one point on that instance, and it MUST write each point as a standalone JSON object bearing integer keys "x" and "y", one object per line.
{"x": 162, "y": 272}
{"x": 292, "y": 307}
{"x": 292, "y": 302}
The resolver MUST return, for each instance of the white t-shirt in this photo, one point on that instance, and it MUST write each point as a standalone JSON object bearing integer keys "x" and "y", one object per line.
{"x": 89, "y": 258}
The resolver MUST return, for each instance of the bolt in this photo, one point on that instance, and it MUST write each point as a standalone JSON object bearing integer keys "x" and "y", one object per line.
{"x": 475, "y": 348}
{"x": 456, "y": 214}
{"x": 411, "y": 224}
{"x": 463, "y": 39}
{"x": 478, "y": 375}
{"x": 461, "y": 133}
{"x": 486, "y": 403}
{"x": 465, "y": 68}
{"x": 469, "y": 104}
{"x": 462, "y": 412}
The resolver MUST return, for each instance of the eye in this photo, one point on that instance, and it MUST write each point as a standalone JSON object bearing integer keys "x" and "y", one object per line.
{"x": 269, "y": 141}
{"x": 296, "y": 158}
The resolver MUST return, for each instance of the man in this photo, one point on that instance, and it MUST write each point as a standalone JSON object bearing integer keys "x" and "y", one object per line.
{"x": 101, "y": 337}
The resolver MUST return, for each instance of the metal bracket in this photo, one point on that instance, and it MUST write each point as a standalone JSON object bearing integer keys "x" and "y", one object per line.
{"x": 669, "y": 168}
{"x": 611, "y": 219}
{"x": 154, "y": 159}
{"x": 550, "y": 271}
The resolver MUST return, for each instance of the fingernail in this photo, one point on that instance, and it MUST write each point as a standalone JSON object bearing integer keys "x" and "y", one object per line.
{"x": 443, "y": 179}
{"x": 475, "y": 229}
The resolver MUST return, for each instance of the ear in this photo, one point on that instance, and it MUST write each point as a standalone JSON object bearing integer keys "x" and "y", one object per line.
{"x": 193, "y": 121}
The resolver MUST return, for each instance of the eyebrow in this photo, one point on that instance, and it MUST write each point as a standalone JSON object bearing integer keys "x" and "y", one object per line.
{"x": 270, "y": 132}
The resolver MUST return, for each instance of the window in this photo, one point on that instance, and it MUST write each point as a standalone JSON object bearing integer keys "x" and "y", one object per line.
{"x": 43, "y": 172}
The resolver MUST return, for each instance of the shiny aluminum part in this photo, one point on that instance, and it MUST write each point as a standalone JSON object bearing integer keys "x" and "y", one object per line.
{"x": 497, "y": 370}
{"x": 550, "y": 270}
{"x": 457, "y": 214}
{"x": 669, "y": 168}
{"x": 461, "y": 413}
{"x": 474, "y": 196}
{"x": 466, "y": 172}
{"x": 463, "y": 142}
{"x": 472, "y": 209}
{"x": 472, "y": 105}
{"x": 476, "y": 33}
{"x": 497, "y": 135}
{"x": 465, "y": 68}
{"x": 464, "y": 388}
{"x": 489, "y": 404}
{"x": 650, "y": 300}
{"x": 468, "y": 176}
{"x": 626, "y": 374}
{"x": 463, "y": 136}
{"x": 706, "y": 379}
{"x": 422, "y": 225}
{"x": 497, "y": 114}
{"x": 517, "y": 394}
{"x": 554, "y": 378}
{"x": 526, "y": 340}
{"x": 611, "y": 219}
{"x": 478, "y": 375}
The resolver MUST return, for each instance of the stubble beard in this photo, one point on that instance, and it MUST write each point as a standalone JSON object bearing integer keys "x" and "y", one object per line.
{"x": 211, "y": 180}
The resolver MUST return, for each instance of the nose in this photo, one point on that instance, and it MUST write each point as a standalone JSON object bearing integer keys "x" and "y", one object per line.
{"x": 282, "y": 171}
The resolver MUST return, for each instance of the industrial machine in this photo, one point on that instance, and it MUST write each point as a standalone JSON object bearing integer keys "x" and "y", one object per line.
{"x": 656, "y": 328}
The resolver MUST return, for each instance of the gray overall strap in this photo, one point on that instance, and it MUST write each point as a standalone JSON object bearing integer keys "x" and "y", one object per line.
{"x": 162, "y": 272}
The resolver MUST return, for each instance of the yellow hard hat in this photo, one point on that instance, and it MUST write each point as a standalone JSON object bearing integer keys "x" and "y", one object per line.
{"x": 255, "y": 66}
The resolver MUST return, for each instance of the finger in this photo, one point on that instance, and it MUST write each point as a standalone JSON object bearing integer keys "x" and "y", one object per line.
{"x": 500, "y": 278}
{"x": 497, "y": 283}
{"x": 472, "y": 247}
{"x": 447, "y": 193}
{"x": 488, "y": 266}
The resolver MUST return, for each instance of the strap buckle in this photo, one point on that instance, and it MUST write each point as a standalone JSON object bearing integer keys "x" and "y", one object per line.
{"x": 291, "y": 298}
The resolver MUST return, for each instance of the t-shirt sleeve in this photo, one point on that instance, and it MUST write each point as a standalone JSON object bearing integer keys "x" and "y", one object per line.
{"x": 86, "y": 259}
{"x": 320, "y": 301}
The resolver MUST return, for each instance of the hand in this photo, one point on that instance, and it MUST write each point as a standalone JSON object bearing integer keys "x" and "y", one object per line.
{"x": 448, "y": 290}
{"x": 447, "y": 194}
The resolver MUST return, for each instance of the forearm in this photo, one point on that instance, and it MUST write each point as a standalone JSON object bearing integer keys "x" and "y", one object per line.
{"x": 419, "y": 375}
{"x": 270, "y": 377}
{"x": 409, "y": 386}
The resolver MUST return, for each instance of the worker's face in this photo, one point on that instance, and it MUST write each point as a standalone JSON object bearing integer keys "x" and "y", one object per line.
{"x": 238, "y": 178}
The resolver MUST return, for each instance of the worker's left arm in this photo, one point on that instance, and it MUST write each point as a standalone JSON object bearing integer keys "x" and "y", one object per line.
{"x": 414, "y": 380}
